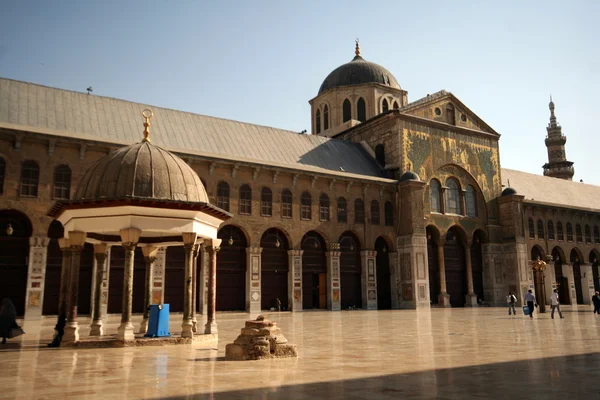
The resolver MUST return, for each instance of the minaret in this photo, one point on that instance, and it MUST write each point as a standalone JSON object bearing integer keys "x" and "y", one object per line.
{"x": 557, "y": 165}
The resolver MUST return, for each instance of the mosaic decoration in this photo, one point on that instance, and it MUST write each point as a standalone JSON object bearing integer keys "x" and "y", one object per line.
{"x": 35, "y": 298}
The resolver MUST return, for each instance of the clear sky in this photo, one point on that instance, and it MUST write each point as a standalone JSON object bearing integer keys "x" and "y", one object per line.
{"x": 261, "y": 61}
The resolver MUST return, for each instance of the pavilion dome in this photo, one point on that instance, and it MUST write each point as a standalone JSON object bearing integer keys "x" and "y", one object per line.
{"x": 508, "y": 192}
{"x": 409, "y": 176}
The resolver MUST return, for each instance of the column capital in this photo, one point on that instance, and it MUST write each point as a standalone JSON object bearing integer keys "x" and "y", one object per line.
{"x": 39, "y": 241}
{"x": 295, "y": 252}
{"x": 100, "y": 248}
{"x": 64, "y": 244}
{"x": 368, "y": 253}
{"x": 189, "y": 238}
{"x": 77, "y": 238}
{"x": 130, "y": 235}
{"x": 333, "y": 253}
{"x": 334, "y": 246}
{"x": 254, "y": 250}
{"x": 149, "y": 251}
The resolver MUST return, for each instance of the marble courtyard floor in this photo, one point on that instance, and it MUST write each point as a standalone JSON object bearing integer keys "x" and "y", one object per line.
{"x": 444, "y": 354}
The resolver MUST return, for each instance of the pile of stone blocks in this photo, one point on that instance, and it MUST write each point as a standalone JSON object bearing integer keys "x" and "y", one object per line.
{"x": 260, "y": 339}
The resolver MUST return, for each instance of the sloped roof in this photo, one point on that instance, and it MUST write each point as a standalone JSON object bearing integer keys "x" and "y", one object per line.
{"x": 35, "y": 108}
{"x": 552, "y": 191}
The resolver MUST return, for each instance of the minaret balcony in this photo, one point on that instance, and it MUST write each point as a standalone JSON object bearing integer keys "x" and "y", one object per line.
{"x": 554, "y": 140}
{"x": 559, "y": 171}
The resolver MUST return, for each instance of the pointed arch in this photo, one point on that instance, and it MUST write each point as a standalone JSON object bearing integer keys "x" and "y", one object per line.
{"x": 350, "y": 270}
{"x": 384, "y": 106}
{"x": 346, "y": 111}
{"x": 435, "y": 190}
{"x": 318, "y": 121}
{"x": 325, "y": 117}
{"x": 361, "y": 110}
{"x": 274, "y": 269}
{"x": 314, "y": 271}
{"x": 231, "y": 268}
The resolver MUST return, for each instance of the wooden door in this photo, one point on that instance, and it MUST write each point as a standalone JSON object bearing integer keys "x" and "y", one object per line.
{"x": 322, "y": 291}
{"x": 456, "y": 282}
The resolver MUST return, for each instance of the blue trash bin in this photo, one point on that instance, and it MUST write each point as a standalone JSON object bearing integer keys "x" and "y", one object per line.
{"x": 158, "y": 321}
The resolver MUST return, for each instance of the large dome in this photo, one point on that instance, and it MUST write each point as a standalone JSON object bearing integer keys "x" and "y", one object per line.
{"x": 358, "y": 72}
{"x": 141, "y": 171}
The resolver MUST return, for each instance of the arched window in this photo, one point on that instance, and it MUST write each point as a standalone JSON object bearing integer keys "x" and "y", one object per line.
{"x": 325, "y": 117}
{"x": 396, "y": 105}
{"x": 62, "y": 182}
{"x": 266, "y": 202}
{"x": 531, "y": 229}
{"x": 2, "y": 174}
{"x": 318, "y": 121}
{"x": 30, "y": 178}
{"x": 375, "y": 220}
{"x": 380, "y": 154}
{"x": 346, "y": 111}
{"x": 286, "y": 204}
{"x": 578, "y": 231}
{"x": 450, "y": 115}
{"x": 389, "y": 214}
{"x": 550, "y": 227}
{"x": 342, "y": 210}
{"x": 569, "y": 232}
{"x": 359, "y": 211}
{"x": 596, "y": 234}
{"x": 588, "y": 234}
{"x": 324, "y": 207}
{"x": 452, "y": 197}
{"x": 540, "y": 229}
{"x": 245, "y": 200}
{"x": 471, "y": 201}
{"x": 434, "y": 196}
{"x": 384, "y": 106}
{"x": 559, "y": 231}
{"x": 361, "y": 110}
{"x": 305, "y": 206}
{"x": 223, "y": 195}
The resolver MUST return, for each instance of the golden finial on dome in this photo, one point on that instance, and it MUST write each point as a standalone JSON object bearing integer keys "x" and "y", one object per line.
{"x": 357, "y": 48}
{"x": 147, "y": 114}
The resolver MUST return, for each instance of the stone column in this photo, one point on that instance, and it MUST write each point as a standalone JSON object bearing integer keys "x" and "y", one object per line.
{"x": 149, "y": 258}
{"x": 414, "y": 272}
{"x": 65, "y": 276}
{"x": 253, "y": 279}
{"x": 334, "y": 302}
{"x": 77, "y": 240}
{"x": 189, "y": 241}
{"x": 295, "y": 280}
{"x": 395, "y": 280}
{"x": 38, "y": 253}
{"x": 471, "y": 297}
{"x": 129, "y": 238}
{"x": 195, "y": 252}
{"x": 368, "y": 279}
{"x": 443, "y": 297}
{"x": 100, "y": 254}
{"x": 587, "y": 283}
{"x": 213, "y": 248}
{"x": 105, "y": 280}
{"x": 203, "y": 289}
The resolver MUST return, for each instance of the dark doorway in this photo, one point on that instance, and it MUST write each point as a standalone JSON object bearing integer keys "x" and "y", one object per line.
{"x": 53, "y": 269}
{"x": 174, "y": 277}
{"x": 15, "y": 231}
{"x": 432, "y": 260}
{"x": 384, "y": 275}
{"x": 454, "y": 260}
{"x": 477, "y": 264}
{"x": 115, "y": 280}
{"x": 314, "y": 272}
{"x": 274, "y": 269}
{"x": 231, "y": 270}
{"x": 350, "y": 271}
{"x": 576, "y": 260}
{"x": 562, "y": 282}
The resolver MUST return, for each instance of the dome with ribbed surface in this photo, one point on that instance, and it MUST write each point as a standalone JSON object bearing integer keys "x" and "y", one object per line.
{"x": 508, "y": 192}
{"x": 359, "y": 72}
{"x": 141, "y": 171}
{"x": 409, "y": 176}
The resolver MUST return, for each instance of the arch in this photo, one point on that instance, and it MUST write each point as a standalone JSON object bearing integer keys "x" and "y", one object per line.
{"x": 2, "y": 174}
{"x": 454, "y": 261}
{"x": 384, "y": 275}
{"x": 325, "y": 117}
{"x": 569, "y": 232}
{"x": 323, "y": 207}
{"x": 350, "y": 270}
{"x": 453, "y": 205}
{"x": 540, "y": 229}
{"x": 537, "y": 252}
{"x": 346, "y": 111}
{"x": 396, "y": 105}
{"x": 576, "y": 257}
{"x": 266, "y": 202}
{"x": 450, "y": 114}
{"x": 389, "y": 214}
{"x": 380, "y": 154}
{"x": 359, "y": 211}
{"x": 53, "y": 269}
{"x": 578, "y": 233}
{"x": 318, "y": 121}
{"x": 375, "y": 215}
{"x": 384, "y": 106}
{"x": 274, "y": 269}
{"x": 62, "y": 182}
{"x": 305, "y": 206}
{"x": 471, "y": 201}
{"x": 314, "y": 271}
{"x": 559, "y": 231}
{"x": 361, "y": 110}
{"x": 558, "y": 254}
{"x": 342, "y": 210}
{"x": 550, "y": 228}
{"x": 434, "y": 195}
{"x": 231, "y": 269}
{"x": 245, "y": 199}
{"x": 433, "y": 240}
{"x": 588, "y": 234}
{"x": 531, "y": 228}
{"x": 223, "y": 194}
{"x": 286, "y": 203}
{"x": 30, "y": 178}
{"x": 479, "y": 238}
{"x": 594, "y": 259}
{"x": 562, "y": 282}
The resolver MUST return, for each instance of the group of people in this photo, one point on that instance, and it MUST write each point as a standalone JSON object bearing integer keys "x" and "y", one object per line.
{"x": 531, "y": 301}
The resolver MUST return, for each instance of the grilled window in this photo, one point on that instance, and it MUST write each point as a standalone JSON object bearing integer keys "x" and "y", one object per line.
{"x": 245, "y": 200}
{"x": 286, "y": 204}
{"x": 223, "y": 195}
{"x": 30, "y": 178}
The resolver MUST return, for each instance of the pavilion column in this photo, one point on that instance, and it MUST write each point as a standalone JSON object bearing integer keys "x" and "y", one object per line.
{"x": 444, "y": 297}
{"x": 211, "y": 322}
{"x": 65, "y": 276}
{"x": 471, "y": 297}
{"x": 195, "y": 252}
{"x": 100, "y": 254}
{"x": 149, "y": 258}
{"x": 189, "y": 242}
{"x": 129, "y": 238}
{"x": 77, "y": 240}
{"x": 203, "y": 288}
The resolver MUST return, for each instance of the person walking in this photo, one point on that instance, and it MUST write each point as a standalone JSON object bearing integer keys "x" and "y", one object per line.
{"x": 596, "y": 301}
{"x": 511, "y": 300}
{"x": 530, "y": 299}
{"x": 555, "y": 304}
{"x": 8, "y": 320}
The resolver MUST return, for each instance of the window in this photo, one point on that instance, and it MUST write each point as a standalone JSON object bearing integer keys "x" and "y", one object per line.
{"x": 286, "y": 204}
{"x": 578, "y": 232}
{"x": 540, "y": 229}
{"x": 361, "y": 110}
{"x": 266, "y": 202}
{"x": 2, "y": 174}
{"x": 384, "y": 106}
{"x": 318, "y": 121}
{"x": 434, "y": 196}
{"x": 569, "y": 232}
{"x": 588, "y": 234}
{"x": 305, "y": 206}
{"x": 346, "y": 111}
{"x": 452, "y": 197}
{"x": 359, "y": 211}
{"x": 450, "y": 115}
{"x": 471, "y": 201}
{"x": 389, "y": 214}
{"x": 375, "y": 212}
{"x": 559, "y": 231}
{"x": 342, "y": 210}
{"x": 324, "y": 208}
{"x": 223, "y": 196}
{"x": 245, "y": 200}
{"x": 596, "y": 234}
{"x": 531, "y": 229}
{"x": 30, "y": 178}
{"x": 380, "y": 154}
{"x": 550, "y": 227}
{"x": 325, "y": 117}
{"x": 62, "y": 182}
{"x": 396, "y": 105}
